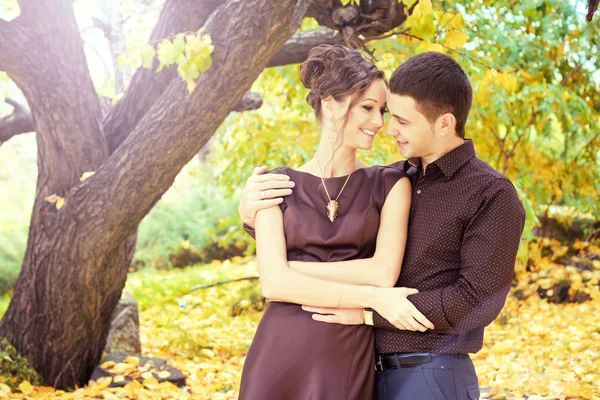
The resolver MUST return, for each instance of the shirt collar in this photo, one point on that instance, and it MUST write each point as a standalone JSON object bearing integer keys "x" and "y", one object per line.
{"x": 450, "y": 162}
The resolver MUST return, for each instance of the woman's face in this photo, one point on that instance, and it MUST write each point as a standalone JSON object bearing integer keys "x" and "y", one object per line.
{"x": 365, "y": 118}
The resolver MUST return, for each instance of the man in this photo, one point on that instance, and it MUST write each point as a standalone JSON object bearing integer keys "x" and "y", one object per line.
{"x": 465, "y": 226}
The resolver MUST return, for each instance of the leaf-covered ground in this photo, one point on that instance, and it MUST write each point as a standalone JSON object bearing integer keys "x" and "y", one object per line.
{"x": 534, "y": 350}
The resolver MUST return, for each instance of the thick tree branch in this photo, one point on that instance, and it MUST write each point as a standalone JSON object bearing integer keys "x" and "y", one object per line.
{"x": 250, "y": 101}
{"x": 172, "y": 132}
{"x": 296, "y": 49}
{"x": 18, "y": 122}
{"x": 21, "y": 121}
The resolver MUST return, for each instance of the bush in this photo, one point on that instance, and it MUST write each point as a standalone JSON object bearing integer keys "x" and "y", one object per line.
{"x": 14, "y": 368}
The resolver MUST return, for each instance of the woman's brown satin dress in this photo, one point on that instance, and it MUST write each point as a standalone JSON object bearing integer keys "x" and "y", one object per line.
{"x": 293, "y": 357}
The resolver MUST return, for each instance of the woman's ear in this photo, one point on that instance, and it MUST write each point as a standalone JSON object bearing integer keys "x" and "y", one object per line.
{"x": 328, "y": 107}
{"x": 342, "y": 107}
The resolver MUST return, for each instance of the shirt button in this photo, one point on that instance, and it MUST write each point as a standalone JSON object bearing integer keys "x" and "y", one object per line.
{"x": 419, "y": 191}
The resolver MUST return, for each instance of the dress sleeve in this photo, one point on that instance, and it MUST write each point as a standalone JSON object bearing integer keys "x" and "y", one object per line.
{"x": 389, "y": 176}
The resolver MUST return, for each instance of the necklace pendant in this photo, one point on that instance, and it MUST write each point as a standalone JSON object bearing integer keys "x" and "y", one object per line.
{"x": 333, "y": 210}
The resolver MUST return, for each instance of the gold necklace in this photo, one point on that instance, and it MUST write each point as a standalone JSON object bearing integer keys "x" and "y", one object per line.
{"x": 333, "y": 207}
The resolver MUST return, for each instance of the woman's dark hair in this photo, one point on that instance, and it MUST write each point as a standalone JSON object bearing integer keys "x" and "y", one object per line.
{"x": 437, "y": 84}
{"x": 338, "y": 71}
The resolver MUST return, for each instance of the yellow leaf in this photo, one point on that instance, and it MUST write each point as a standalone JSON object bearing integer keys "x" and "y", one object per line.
{"x": 117, "y": 97}
{"x": 425, "y": 7}
{"x": 60, "y": 203}
{"x": 163, "y": 374}
{"x": 118, "y": 378}
{"x": 86, "y": 175}
{"x": 526, "y": 76}
{"x": 132, "y": 360}
{"x": 508, "y": 81}
{"x": 345, "y": 2}
{"x": 4, "y": 388}
{"x": 104, "y": 381}
{"x": 147, "y": 375}
{"x": 26, "y": 387}
{"x": 428, "y": 46}
{"x": 151, "y": 383}
{"x": 107, "y": 364}
{"x": 52, "y": 198}
{"x": 191, "y": 85}
{"x": 458, "y": 22}
{"x": 455, "y": 39}
{"x": 422, "y": 20}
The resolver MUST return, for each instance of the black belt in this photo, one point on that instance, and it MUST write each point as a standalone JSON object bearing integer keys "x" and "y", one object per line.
{"x": 391, "y": 361}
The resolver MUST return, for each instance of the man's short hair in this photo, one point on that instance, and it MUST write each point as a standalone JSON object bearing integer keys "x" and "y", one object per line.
{"x": 437, "y": 84}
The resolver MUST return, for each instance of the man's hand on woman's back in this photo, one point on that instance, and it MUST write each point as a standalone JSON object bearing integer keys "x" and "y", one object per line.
{"x": 262, "y": 191}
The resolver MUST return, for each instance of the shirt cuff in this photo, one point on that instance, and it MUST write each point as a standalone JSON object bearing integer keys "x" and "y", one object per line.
{"x": 380, "y": 322}
{"x": 429, "y": 303}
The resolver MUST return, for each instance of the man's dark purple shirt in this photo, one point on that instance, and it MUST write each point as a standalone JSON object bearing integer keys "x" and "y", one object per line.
{"x": 464, "y": 230}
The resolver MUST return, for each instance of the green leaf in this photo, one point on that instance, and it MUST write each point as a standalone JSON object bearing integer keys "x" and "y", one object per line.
{"x": 147, "y": 53}
{"x": 166, "y": 52}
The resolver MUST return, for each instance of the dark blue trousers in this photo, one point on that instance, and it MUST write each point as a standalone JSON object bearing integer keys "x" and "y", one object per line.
{"x": 446, "y": 377}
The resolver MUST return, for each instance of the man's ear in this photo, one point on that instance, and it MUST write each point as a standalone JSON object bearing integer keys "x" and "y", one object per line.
{"x": 446, "y": 124}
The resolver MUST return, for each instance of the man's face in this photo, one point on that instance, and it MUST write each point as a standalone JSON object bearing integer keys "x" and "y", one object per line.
{"x": 411, "y": 130}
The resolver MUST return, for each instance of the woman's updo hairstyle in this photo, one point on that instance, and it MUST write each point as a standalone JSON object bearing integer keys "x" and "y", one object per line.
{"x": 337, "y": 71}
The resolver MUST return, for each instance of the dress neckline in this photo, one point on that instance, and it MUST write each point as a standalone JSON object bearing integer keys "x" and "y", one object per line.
{"x": 335, "y": 177}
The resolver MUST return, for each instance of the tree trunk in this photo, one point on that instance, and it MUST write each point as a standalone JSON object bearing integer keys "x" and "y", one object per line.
{"x": 77, "y": 257}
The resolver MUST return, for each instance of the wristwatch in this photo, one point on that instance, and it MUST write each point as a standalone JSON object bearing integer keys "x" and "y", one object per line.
{"x": 368, "y": 316}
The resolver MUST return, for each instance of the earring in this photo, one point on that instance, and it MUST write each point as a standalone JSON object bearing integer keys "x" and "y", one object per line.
{"x": 332, "y": 134}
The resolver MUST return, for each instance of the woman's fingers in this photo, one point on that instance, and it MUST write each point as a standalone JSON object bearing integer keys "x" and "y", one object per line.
{"x": 421, "y": 319}
{"x": 271, "y": 193}
{"x": 268, "y": 177}
{"x": 320, "y": 310}
{"x": 268, "y": 185}
{"x": 259, "y": 170}
{"x": 330, "y": 319}
{"x": 400, "y": 324}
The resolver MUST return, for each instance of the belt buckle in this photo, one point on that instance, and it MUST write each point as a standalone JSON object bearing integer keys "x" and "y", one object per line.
{"x": 379, "y": 364}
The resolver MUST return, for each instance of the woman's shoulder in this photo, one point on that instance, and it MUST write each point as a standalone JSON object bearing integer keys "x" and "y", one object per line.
{"x": 388, "y": 171}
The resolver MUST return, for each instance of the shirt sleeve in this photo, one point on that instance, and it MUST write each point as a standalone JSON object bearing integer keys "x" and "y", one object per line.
{"x": 249, "y": 230}
{"x": 488, "y": 252}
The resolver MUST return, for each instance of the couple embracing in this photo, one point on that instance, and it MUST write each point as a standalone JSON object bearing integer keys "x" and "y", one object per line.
{"x": 381, "y": 279}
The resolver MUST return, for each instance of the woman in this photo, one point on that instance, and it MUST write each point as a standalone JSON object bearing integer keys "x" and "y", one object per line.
{"x": 342, "y": 212}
